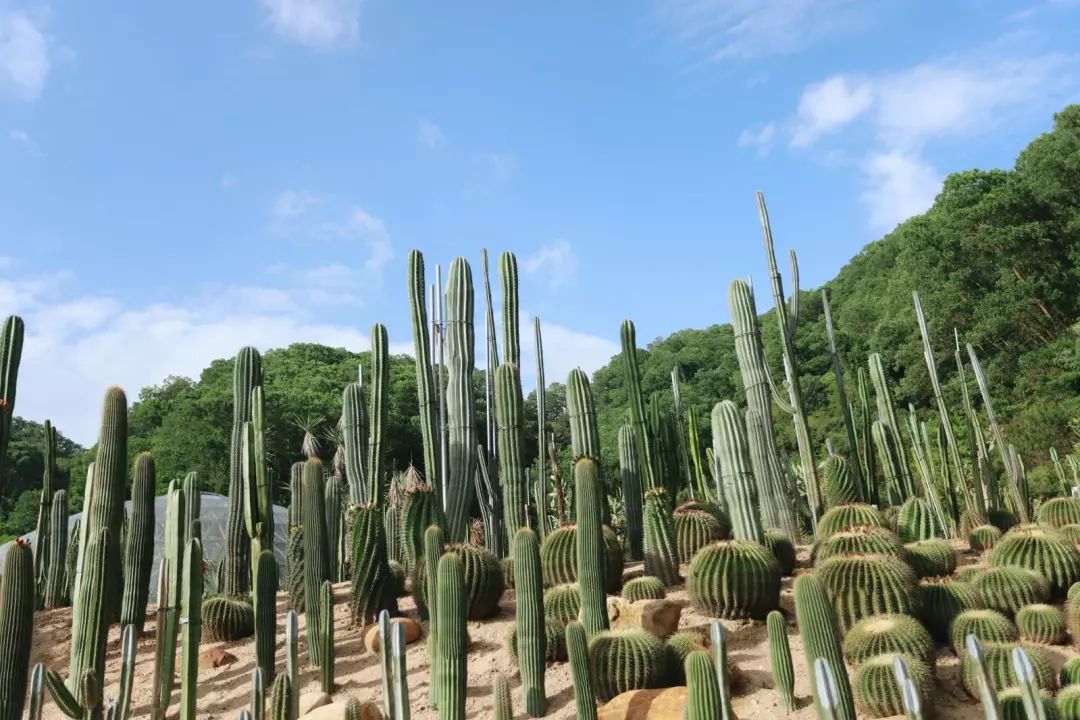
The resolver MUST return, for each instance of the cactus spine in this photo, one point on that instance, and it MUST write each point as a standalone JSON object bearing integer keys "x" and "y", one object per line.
{"x": 452, "y": 673}
{"x": 578, "y": 651}
{"x": 630, "y": 472}
{"x": 821, "y": 639}
{"x": 509, "y": 418}
{"x": 316, "y": 557}
{"x": 780, "y": 659}
{"x": 529, "y": 620}
{"x": 265, "y": 600}
{"x": 736, "y": 477}
{"x": 56, "y": 570}
{"x": 44, "y": 535}
{"x": 139, "y": 552}
{"x": 11, "y": 343}
{"x": 191, "y": 628}
{"x": 425, "y": 379}
{"x": 16, "y": 628}
{"x": 460, "y": 410}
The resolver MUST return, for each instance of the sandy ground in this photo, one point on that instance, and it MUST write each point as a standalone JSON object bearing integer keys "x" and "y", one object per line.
{"x": 224, "y": 691}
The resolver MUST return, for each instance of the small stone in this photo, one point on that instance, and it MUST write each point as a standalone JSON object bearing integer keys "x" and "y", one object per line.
{"x": 311, "y": 700}
{"x": 336, "y": 711}
{"x": 667, "y": 704}
{"x": 659, "y": 617}
{"x": 413, "y": 630}
{"x": 215, "y": 657}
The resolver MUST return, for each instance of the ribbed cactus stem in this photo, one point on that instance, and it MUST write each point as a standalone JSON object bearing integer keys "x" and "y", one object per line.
{"x": 191, "y": 628}
{"x": 502, "y": 707}
{"x": 292, "y": 662}
{"x": 402, "y": 708}
{"x": 284, "y": 699}
{"x": 326, "y": 636}
{"x": 434, "y": 545}
{"x": 821, "y": 639}
{"x": 529, "y": 620}
{"x": 452, "y": 675}
{"x": 11, "y": 344}
{"x": 508, "y": 277}
{"x": 258, "y": 694}
{"x": 719, "y": 667}
{"x": 704, "y": 696}
{"x": 541, "y": 432}
{"x": 577, "y": 648}
{"x": 385, "y": 664}
{"x": 630, "y": 473}
{"x": 378, "y": 408}
{"x": 121, "y": 710}
{"x": 780, "y": 659}
{"x": 192, "y": 506}
{"x": 139, "y": 550}
{"x": 236, "y": 562}
{"x": 425, "y": 378}
{"x": 590, "y": 547}
{"x": 581, "y": 411}
{"x": 37, "y": 692}
{"x": 16, "y": 628}
{"x": 987, "y": 691}
{"x": 316, "y": 557}
{"x": 44, "y": 535}
{"x": 56, "y": 570}
{"x": 628, "y": 337}
{"x": 372, "y": 589}
{"x": 168, "y": 611}
{"x": 334, "y": 553}
{"x": 661, "y": 552}
{"x": 736, "y": 476}
{"x": 352, "y": 429}
{"x": 265, "y": 601}
{"x": 460, "y": 405}
{"x": 887, "y": 417}
{"x": 509, "y": 418}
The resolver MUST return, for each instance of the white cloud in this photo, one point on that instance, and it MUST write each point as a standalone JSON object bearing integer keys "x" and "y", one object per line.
{"x": 429, "y": 134}
{"x": 24, "y": 55}
{"x": 899, "y": 185}
{"x": 761, "y": 138}
{"x": 316, "y": 23}
{"x": 291, "y": 204}
{"x": 556, "y": 262}
{"x": 828, "y": 106}
{"x": 564, "y": 350}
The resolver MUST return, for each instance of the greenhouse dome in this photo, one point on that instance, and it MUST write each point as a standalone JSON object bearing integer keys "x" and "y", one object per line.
{"x": 214, "y": 516}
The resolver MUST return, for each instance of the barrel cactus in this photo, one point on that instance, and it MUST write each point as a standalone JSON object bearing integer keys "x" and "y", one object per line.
{"x": 1004, "y": 520}
{"x": 562, "y": 603}
{"x": 1011, "y": 705}
{"x": 783, "y": 550}
{"x": 887, "y": 634}
{"x": 420, "y": 510}
{"x": 942, "y": 599}
{"x": 558, "y": 558}
{"x": 555, "y": 637}
{"x": 997, "y": 657}
{"x": 876, "y": 691}
{"x": 988, "y": 626}
{"x": 983, "y": 537}
{"x": 734, "y": 579}
{"x": 713, "y": 509}
{"x": 1070, "y": 671}
{"x": 679, "y": 646}
{"x": 931, "y": 558}
{"x": 1059, "y": 511}
{"x": 860, "y": 540}
{"x": 1070, "y": 533}
{"x": 644, "y": 588}
{"x": 845, "y": 517}
{"x": 1041, "y": 623}
{"x": 1007, "y": 589}
{"x": 483, "y": 580}
{"x": 1041, "y": 550}
{"x": 837, "y": 481}
{"x": 227, "y": 618}
{"x": 864, "y": 585}
{"x": 1068, "y": 703}
{"x": 917, "y": 521}
{"x": 625, "y": 660}
{"x": 694, "y": 529}
{"x": 968, "y": 573}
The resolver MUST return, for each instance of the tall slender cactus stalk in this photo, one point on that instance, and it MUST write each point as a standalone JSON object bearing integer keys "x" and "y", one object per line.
{"x": 460, "y": 407}
{"x": 541, "y": 431}
{"x": 425, "y": 379}
{"x": 856, "y": 465}
{"x": 890, "y": 428}
{"x": 628, "y": 336}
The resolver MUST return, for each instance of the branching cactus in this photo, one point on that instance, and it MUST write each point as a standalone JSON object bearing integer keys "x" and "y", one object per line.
{"x": 736, "y": 475}
{"x": 236, "y": 562}
{"x": 460, "y": 405}
{"x": 630, "y": 472}
{"x": 266, "y": 587}
{"x": 509, "y": 413}
{"x": 316, "y": 558}
{"x": 821, "y": 639}
{"x": 56, "y": 571}
{"x": 11, "y": 343}
{"x": 452, "y": 673}
{"x": 16, "y": 628}
{"x": 529, "y": 621}
{"x": 139, "y": 551}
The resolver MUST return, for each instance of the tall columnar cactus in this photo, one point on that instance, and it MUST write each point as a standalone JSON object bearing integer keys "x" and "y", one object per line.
{"x": 821, "y": 640}
{"x": 420, "y": 510}
{"x": 139, "y": 550}
{"x": 452, "y": 672}
{"x": 628, "y": 336}
{"x": 11, "y": 343}
{"x": 425, "y": 378}
{"x": 460, "y": 405}
{"x": 703, "y": 693}
{"x": 590, "y": 546}
{"x": 43, "y": 534}
{"x": 541, "y": 432}
{"x": 283, "y": 698}
{"x": 509, "y": 413}
{"x": 780, "y": 659}
{"x": 508, "y": 276}
{"x": 265, "y": 600}
{"x": 736, "y": 475}
{"x": 896, "y": 458}
{"x": 434, "y": 544}
{"x": 55, "y": 594}
{"x": 258, "y": 492}
{"x": 192, "y": 506}
{"x": 352, "y": 430}
{"x": 661, "y": 549}
{"x": 580, "y": 669}
{"x": 334, "y": 542}
{"x": 372, "y": 584}
{"x": 168, "y": 617}
{"x": 584, "y": 433}
{"x": 16, "y": 628}
{"x": 326, "y": 636}
{"x": 378, "y": 409}
{"x": 191, "y": 628}
{"x": 316, "y": 557}
{"x": 777, "y": 509}
{"x": 529, "y": 620}
{"x": 236, "y": 562}
{"x": 630, "y": 472}
{"x": 841, "y": 399}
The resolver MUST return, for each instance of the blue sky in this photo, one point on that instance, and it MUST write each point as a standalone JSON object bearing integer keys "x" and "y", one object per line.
{"x": 180, "y": 179}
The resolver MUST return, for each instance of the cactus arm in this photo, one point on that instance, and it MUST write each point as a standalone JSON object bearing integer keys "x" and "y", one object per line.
{"x": 578, "y": 651}
{"x": 61, "y": 696}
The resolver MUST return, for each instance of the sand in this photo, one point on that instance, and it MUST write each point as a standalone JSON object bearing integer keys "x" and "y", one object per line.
{"x": 224, "y": 692}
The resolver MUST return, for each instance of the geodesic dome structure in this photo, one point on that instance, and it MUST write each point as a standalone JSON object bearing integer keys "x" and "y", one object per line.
{"x": 214, "y": 516}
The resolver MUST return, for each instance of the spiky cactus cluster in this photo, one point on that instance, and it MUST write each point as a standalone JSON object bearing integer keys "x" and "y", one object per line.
{"x": 859, "y": 540}
{"x": 997, "y": 657}
{"x": 1042, "y": 551}
{"x": 713, "y": 509}
{"x": 888, "y": 634}
{"x": 988, "y": 626}
{"x": 643, "y": 588}
{"x": 782, "y": 549}
{"x": 864, "y": 585}
{"x": 1059, "y": 511}
{"x": 1007, "y": 589}
{"x": 558, "y": 557}
{"x": 845, "y": 517}
{"x": 734, "y": 579}
{"x": 625, "y": 660}
{"x": 876, "y": 691}
{"x": 1041, "y": 623}
{"x": 694, "y": 529}
{"x": 983, "y": 537}
{"x": 837, "y": 481}
{"x": 917, "y": 521}
{"x": 931, "y": 558}
{"x": 562, "y": 603}
{"x": 483, "y": 580}
{"x": 942, "y": 599}
{"x": 227, "y": 618}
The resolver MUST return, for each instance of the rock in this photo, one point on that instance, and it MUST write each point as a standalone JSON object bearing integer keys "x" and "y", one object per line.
{"x": 666, "y": 704}
{"x": 312, "y": 700}
{"x": 413, "y": 630}
{"x": 659, "y": 617}
{"x": 336, "y": 711}
{"x": 215, "y": 657}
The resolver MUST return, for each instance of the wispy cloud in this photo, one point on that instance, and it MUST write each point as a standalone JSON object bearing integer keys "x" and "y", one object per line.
{"x": 760, "y": 138}
{"x": 429, "y": 134}
{"x": 502, "y": 165}
{"x": 315, "y": 23}
{"x": 555, "y": 262}
{"x": 24, "y": 55}
{"x": 829, "y": 105}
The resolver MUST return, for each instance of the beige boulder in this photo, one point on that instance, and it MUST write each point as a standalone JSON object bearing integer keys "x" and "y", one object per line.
{"x": 659, "y": 617}
{"x": 215, "y": 657}
{"x": 665, "y": 704}
{"x": 336, "y": 711}
{"x": 413, "y": 631}
{"x": 311, "y": 700}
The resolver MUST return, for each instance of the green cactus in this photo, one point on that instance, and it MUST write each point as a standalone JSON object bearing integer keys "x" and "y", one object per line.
{"x": 942, "y": 599}
{"x": 694, "y": 529}
{"x": 865, "y": 585}
{"x": 703, "y": 693}
{"x": 530, "y": 638}
{"x": 420, "y": 510}
{"x": 624, "y": 660}
{"x": 983, "y": 537}
{"x": 450, "y": 657}
{"x": 590, "y": 546}
{"x": 379, "y": 406}
{"x": 11, "y": 343}
{"x": 630, "y": 474}
{"x": 562, "y": 603}
{"x": 628, "y": 338}
{"x": 859, "y": 540}
{"x": 294, "y": 568}
{"x": 821, "y": 639}
{"x": 839, "y": 484}
{"x": 139, "y": 548}
{"x": 676, "y": 649}
{"x": 1042, "y": 551}
{"x": 1059, "y": 511}
{"x": 661, "y": 553}
{"x": 335, "y": 526}
{"x": 782, "y": 549}
{"x": 508, "y": 571}
{"x": 581, "y": 670}
{"x": 1011, "y": 704}
{"x": 1070, "y": 672}
{"x": 353, "y": 434}
{"x": 502, "y": 707}
{"x": 460, "y": 411}
{"x": 876, "y": 691}
{"x": 888, "y": 634}
{"x": 558, "y": 557}
{"x": 316, "y": 556}
{"x": 56, "y": 564}
{"x": 554, "y": 642}
{"x": 265, "y": 602}
{"x": 372, "y": 584}
{"x": 643, "y": 588}
{"x": 483, "y": 581}
{"x": 326, "y": 636}
{"x": 392, "y": 528}
{"x": 931, "y": 558}
{"x": 509, "y": 419}
{"x": 191, "y": 596}
{"x": 192, "y": 506}
{"x": 425, "y": 378}
{"x": 120, "y": 709}
{"x": 1041, "y": 623}
{"x": 170, "y": 582}
{"x": 283, "y": 698}
{"x": 1004, "y": 520}
{"x": 917, "y": 521}
{"x": 1070, "y": 533}
{"x": 997, "y": 658}
{"x": 16, "y": 627}
{"x": 43, "y": 534}
{"x": 1068, "y": 703}
{"x": 734, "y": 579}
{"x": 988, "y": 626}
{"x": 713, "y": 509}
{"x": 736, "y": 474}
{"x": 226, "y": 618}
{"x": 236, "y": 560}
{"x": 780, "y": 659}
{"x": 397, "y": 578}
{"x": 1007, "y": 589}
{"x": 845, "y": 517}
{"x": 968, "y": 573}
{"x": 258, "y": 491}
